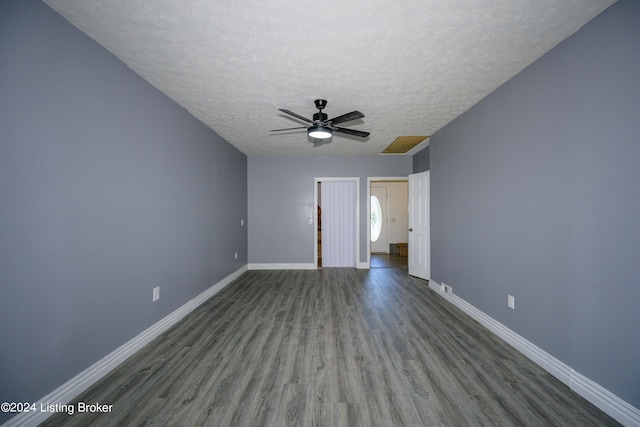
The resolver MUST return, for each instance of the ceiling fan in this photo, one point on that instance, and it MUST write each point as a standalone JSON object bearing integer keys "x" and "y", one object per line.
{"x": 322, "y": 127}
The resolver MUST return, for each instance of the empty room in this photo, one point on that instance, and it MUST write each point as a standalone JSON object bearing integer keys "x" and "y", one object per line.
{"x": 196, "y": 196}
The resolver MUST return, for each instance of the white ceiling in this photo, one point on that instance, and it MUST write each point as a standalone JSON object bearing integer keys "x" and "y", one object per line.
{"x": 410, "y": 66}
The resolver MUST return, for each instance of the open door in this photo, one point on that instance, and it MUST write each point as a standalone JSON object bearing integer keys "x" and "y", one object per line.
{"x": 419, "y": 226}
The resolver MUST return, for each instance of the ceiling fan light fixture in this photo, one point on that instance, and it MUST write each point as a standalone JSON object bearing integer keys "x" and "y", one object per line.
{"x": 319, "y": 132}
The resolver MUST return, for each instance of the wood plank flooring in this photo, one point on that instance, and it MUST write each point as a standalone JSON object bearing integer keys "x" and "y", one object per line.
{"x": 331, "y": 347}
{"x": 388, "y": 261}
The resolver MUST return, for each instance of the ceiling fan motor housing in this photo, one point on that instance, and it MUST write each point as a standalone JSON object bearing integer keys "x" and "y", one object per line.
{"x": 320, "y": 117}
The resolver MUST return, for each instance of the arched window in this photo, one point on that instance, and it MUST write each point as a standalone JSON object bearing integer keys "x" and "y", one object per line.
{"x": 376, "y": 218}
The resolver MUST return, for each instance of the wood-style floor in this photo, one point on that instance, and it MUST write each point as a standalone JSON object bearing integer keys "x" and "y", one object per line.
{"x": 388, "y": 261}
{"x": 331, "y": 347}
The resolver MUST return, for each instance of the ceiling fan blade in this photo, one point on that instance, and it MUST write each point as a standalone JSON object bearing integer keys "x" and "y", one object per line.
{"x": 346, "y": 117}
{"x": 299, "y": 127}
{"x": 351, "y": 131}
{"x": 298, "y": 116}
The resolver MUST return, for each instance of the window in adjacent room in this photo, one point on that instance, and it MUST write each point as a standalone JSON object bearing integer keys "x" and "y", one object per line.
{"x": 376, "y": 218}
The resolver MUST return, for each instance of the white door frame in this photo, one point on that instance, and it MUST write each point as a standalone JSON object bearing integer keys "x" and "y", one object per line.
{"x": 370, "y": 180}
{"x": 316, "y": 181}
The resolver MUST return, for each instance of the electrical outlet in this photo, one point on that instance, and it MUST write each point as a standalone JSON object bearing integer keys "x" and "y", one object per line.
{"x": 241, "y": 222}
{"x": 511, "y": 302}
{"x": 235, "y": 255}
{"x": 156, "y": 293}
{"x": 446, "y": 289}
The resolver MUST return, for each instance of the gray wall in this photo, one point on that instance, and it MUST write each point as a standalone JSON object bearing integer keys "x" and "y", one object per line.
{"x": 107, "y": 189}
{"x": 421, "y": 160}
{"x": 281, "y": 197}
{"x": 535, "y": 192}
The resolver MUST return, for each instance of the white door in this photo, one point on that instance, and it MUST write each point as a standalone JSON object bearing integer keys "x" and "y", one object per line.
{"x": 379, "y": 219}
{"x": 419, "y": 234}
{"x": 339, "y": 213}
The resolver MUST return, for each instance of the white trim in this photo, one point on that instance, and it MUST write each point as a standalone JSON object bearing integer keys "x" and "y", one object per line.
{"x": 435, "y": 286}
{"x": 298, "y": 266}
{"x": 608, "y": 402}
{"x": 620, "y": 410}
{"x": 85, "y": 379}
{"x": 282, "y": 266}
{"x": 363, "y": 266}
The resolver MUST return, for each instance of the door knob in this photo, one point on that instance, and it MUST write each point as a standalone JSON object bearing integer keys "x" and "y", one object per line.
{"x": 411, "y": 229}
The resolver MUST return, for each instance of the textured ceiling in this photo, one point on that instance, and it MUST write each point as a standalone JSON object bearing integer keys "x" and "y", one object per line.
{"x": 410, "y": 66}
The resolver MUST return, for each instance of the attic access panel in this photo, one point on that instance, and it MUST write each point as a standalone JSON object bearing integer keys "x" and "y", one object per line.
{"x": 403, "y": 144}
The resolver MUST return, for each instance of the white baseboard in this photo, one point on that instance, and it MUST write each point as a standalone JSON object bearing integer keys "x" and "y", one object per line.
{"x": 85, "y": 379}
{"x": 283, "y": 266}
{"x": 608, "y": 402}
{"x": 620, "y": 410}
{"x": 294, "y": 266}
{"x": 435, "y": 286}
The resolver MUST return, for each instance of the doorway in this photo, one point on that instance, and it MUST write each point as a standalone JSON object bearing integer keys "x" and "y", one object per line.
{"x": 387, "y": 230}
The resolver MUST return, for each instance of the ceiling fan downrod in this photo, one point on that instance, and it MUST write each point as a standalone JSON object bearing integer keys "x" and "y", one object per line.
{"x": 320, "y": 117}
